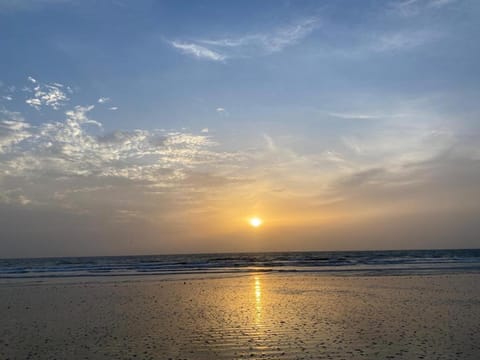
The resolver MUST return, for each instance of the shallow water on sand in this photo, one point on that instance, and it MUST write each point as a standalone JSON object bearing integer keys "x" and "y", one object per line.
{"x": 256, "y": 316}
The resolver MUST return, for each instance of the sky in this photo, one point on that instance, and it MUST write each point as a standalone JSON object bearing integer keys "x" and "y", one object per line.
{"x": 150, "y": 127}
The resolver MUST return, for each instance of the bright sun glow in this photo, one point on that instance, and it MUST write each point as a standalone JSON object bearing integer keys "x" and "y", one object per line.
{"x": 255, "y": 221}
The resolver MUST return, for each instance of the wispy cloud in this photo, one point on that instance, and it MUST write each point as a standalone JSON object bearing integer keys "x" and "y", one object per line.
{"x": 103, "y": 100}
{"x": 198, "y": 51}
{"x": 222, "y": 112}
{"x": 53, "y": 95}
{"x": 402, "y": 40}
{"x": 220, "y": 49}
{"x": 273, "y": 41}
{"x": 13, "y": 129}
{"x": 358, "y": 116}
{"x": 415, "y": 7}
{"x": 433, "y": 184}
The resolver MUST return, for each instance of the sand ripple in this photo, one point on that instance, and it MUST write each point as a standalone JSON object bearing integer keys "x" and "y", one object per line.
{"x": 259, "y": 316}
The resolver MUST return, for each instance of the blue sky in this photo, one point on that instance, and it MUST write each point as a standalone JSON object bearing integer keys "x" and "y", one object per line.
{"x": 125, "y": 114}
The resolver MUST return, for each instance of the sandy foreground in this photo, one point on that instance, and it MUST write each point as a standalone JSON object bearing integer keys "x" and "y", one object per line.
{"x": 257, "y": 316}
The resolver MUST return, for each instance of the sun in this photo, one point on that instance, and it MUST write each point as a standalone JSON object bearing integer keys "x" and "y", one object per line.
{"x": 255, "y": 222}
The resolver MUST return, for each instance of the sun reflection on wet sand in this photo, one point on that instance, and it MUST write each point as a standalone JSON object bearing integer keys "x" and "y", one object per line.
{"x": 258, "y": 300}
{"x": 259, "y": 317}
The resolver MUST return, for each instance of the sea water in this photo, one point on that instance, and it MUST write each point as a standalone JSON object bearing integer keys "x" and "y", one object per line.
{"x": 339, "y": 262}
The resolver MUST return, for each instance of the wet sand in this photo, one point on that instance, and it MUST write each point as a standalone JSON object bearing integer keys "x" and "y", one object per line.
{"x": 258, "y": 316}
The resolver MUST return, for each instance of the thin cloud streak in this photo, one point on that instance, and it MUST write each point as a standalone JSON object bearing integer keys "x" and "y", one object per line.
{"x": 249, "y": 45}
{"x": 410, "y": 8}
{"x": 403, "y": 40}
{"x": 198, "y": 51}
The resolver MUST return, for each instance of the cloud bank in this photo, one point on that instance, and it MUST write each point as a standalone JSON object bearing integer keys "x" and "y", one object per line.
{"x": 164, "y": 184}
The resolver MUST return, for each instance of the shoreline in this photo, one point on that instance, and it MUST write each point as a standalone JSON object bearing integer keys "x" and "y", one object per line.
{"x": 354, "y": 272}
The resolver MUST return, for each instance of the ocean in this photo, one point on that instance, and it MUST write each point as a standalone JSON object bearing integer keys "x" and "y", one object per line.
{"x": 338, "y": 263}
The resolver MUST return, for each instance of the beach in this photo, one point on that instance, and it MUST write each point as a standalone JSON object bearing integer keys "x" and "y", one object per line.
{"x": 242, "y": 316}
